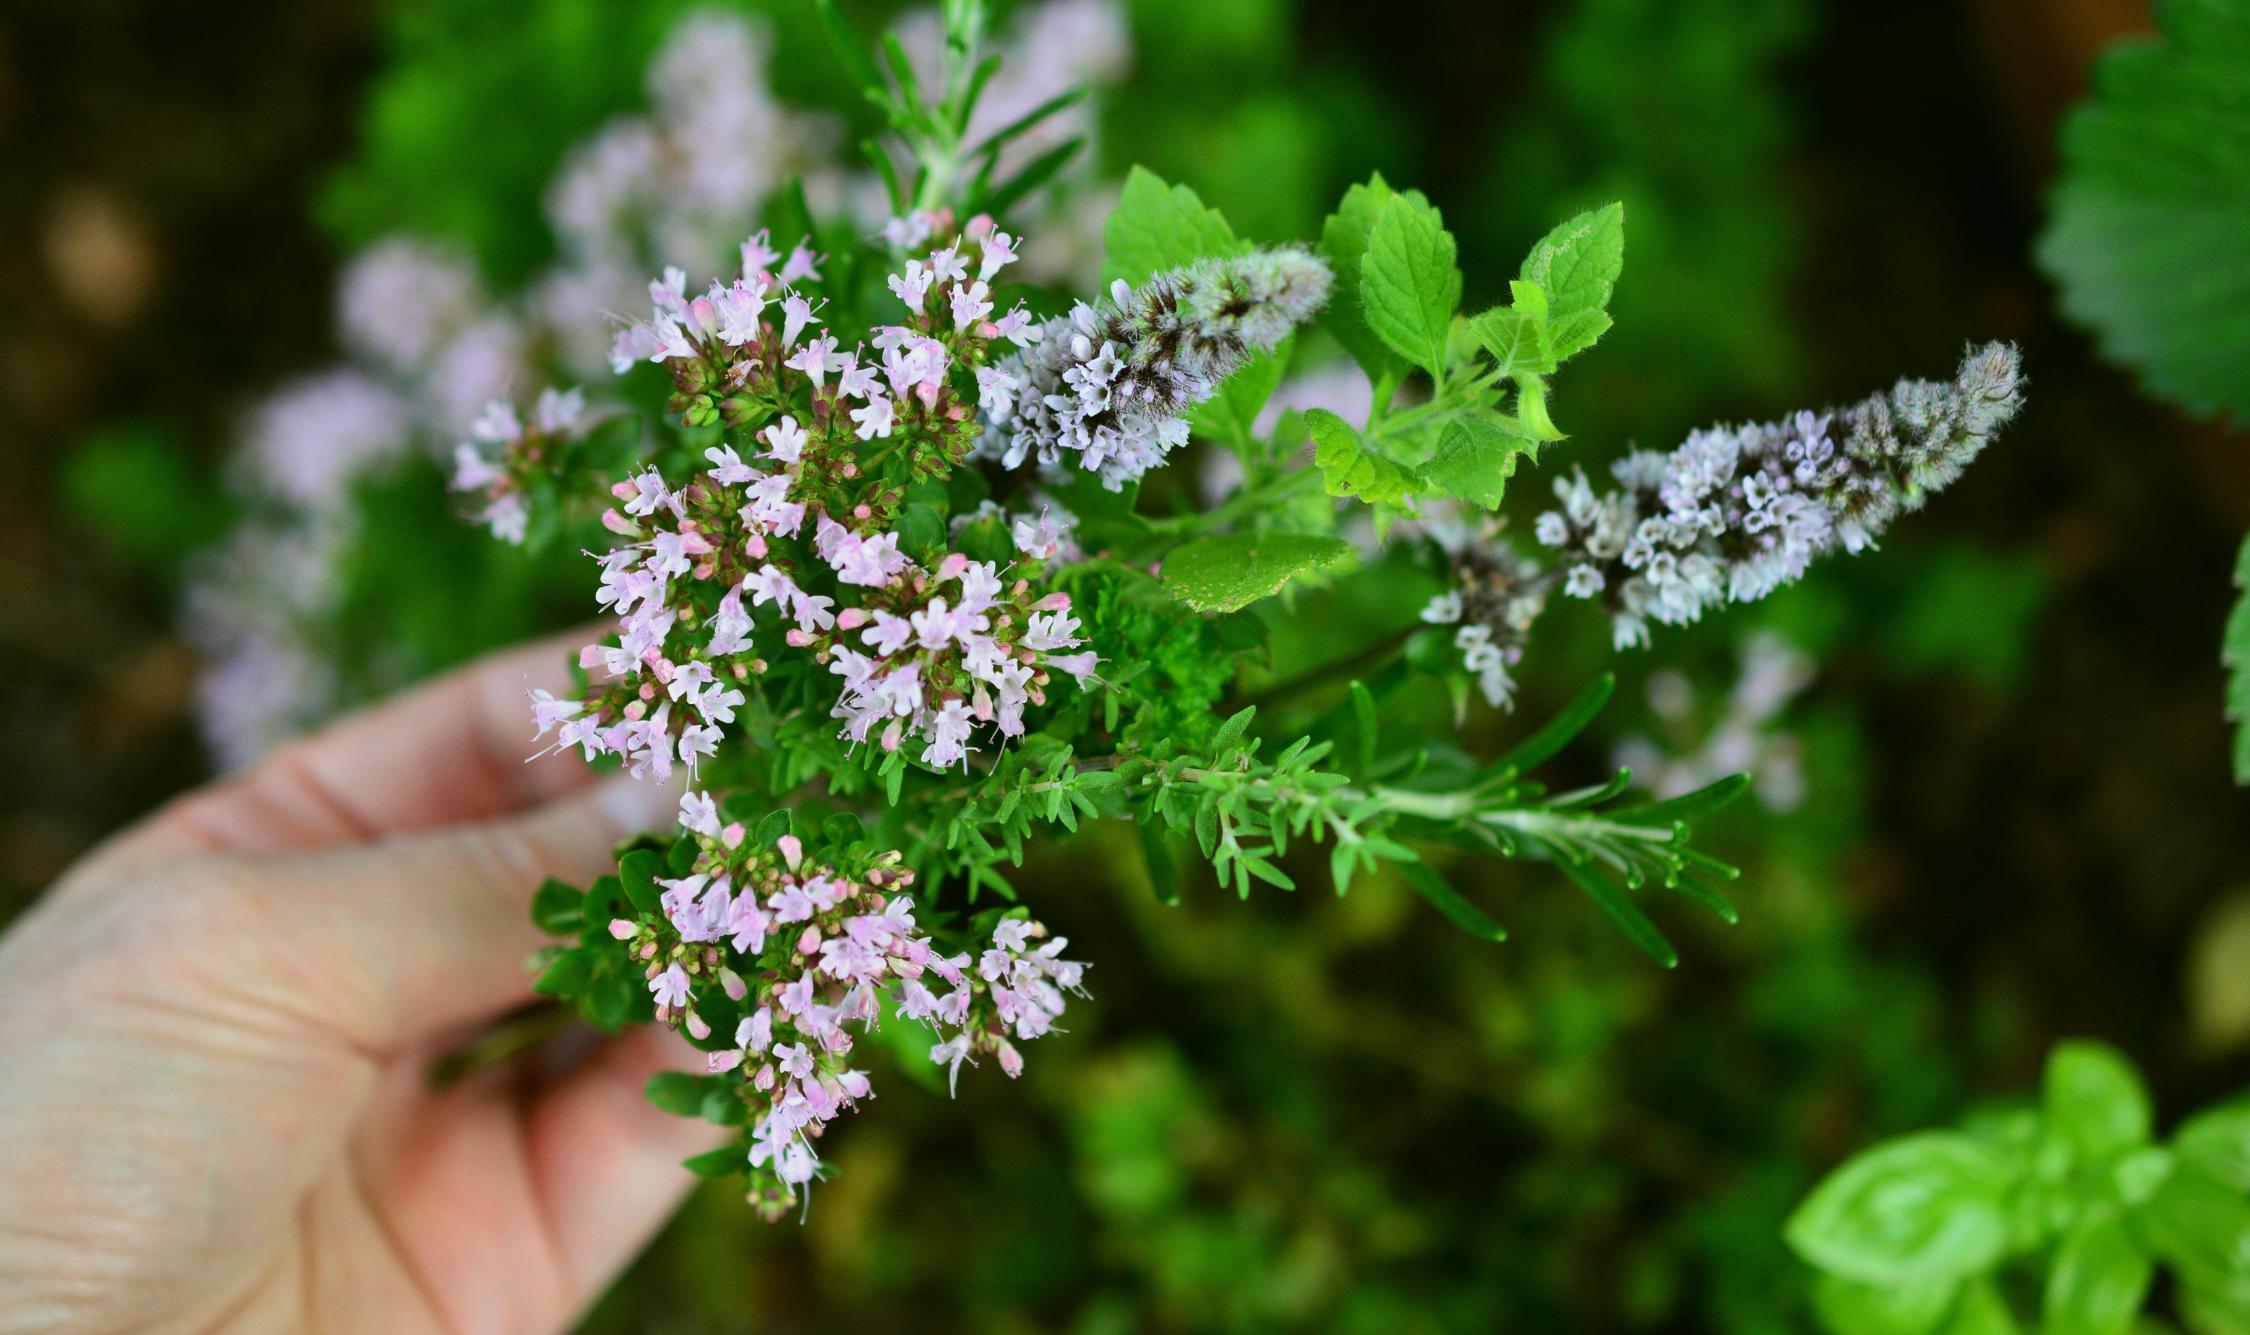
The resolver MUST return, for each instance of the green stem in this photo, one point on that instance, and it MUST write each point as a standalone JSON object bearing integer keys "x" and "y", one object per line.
{"x": 1373, "y": 654}
{"x": 1279, "y": 486}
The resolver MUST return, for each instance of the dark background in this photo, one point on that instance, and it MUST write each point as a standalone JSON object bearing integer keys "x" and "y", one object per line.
{"x": 2044, "y": 849}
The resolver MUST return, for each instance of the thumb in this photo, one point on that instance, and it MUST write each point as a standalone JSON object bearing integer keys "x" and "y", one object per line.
{"x": 420, "y": 933}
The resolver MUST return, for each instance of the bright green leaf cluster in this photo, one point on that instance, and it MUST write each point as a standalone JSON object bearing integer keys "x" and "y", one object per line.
{"x": 2072, "y": 1201}
{"x": 1397, "y": 311}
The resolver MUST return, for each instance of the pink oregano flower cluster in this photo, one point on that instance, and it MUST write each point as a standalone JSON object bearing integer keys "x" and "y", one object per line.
{"x": 505, "y": 455}
{"x": 803, "y": 953}
{"x": 798, "y": 538}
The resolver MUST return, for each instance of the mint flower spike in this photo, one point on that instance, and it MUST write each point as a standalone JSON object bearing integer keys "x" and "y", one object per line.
{"x": 1112, "y": 383}
{"x": 1736, "y": 512}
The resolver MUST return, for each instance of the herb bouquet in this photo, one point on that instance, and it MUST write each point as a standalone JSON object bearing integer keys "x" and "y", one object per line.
{"x": 922, "y": 564}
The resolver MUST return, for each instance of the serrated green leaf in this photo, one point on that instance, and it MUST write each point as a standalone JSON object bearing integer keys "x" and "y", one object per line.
{"x": 1234, "y": 570}
{"x": 1410, "y": 281}
{"x": 1576, "y": 266}
{"x": 2145, "y": 235}
{"x": 1516, "y": 339}
{"x": 2097, "y": 1281}
{"x": 1343, "y": 241}
{"x": 1157, "y": 227}
{"x": 1350, "y": 467}
{"x": 1572, "y": 334}
{"x": 1475, "y": 459}
{"x": 1926, "y": 1208}
{"x": 1451, "y": 902}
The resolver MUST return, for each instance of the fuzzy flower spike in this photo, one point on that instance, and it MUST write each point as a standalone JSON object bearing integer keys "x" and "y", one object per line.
{"x": 1113, "y": 383}
{"x": 1728, "y": 516}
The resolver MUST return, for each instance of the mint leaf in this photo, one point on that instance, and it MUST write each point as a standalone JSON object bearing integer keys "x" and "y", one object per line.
{"x": 1517, "y": 340}
{"x": 1475, "y": 459}
{"x": 2234, "y": 652}
{"x": 1343, "y": 240}
{"x": 1158, "y": 227}
{"x": 1351, "y": 468}
{"x": 1576, "y": 267}
{"x": 2094, "y": 1101}
{"x": 2098, "y": 1280}
{"x": 2145, "y": 237}
{"x": 1409, "y": 281}
{"x": 1226, "y": 573}
{"x": 1921, "y": 1209}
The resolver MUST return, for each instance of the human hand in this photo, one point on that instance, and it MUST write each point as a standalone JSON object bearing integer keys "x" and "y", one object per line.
{"x": 215, "y": 1033}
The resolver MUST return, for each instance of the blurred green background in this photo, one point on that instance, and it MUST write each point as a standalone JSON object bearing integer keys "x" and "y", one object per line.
{"x": 2017, "y": 821}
